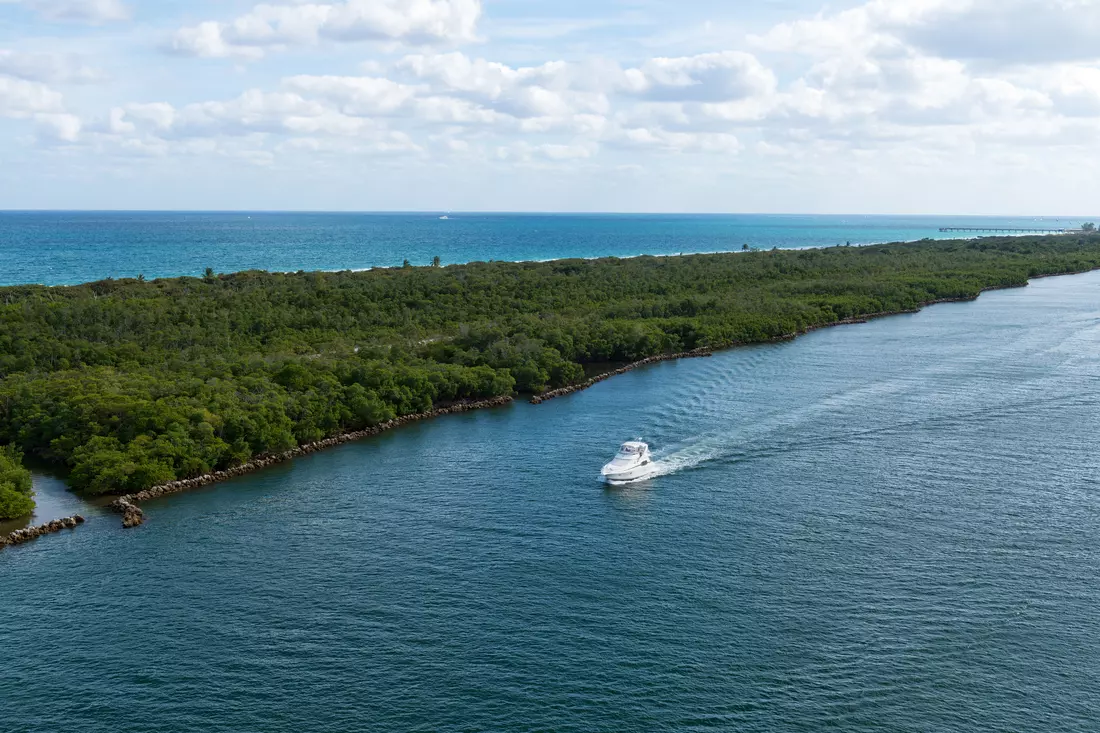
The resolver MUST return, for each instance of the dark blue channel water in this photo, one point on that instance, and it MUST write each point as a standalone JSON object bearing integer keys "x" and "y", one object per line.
{"x": 884, "y": 527}
{"x": 64, "y": 248}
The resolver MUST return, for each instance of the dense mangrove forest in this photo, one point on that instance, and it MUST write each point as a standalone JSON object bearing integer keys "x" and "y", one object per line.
{"x": 15, "y": 485}
{"x": 128, "y": 384}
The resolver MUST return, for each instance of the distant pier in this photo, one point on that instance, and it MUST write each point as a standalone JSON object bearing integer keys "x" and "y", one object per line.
{"x": 1010, "y": 230}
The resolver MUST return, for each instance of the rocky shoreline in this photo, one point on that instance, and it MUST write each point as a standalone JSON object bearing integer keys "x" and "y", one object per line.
{"x": 22, "y": 536}
{"x": 711, "y": 350}
{"x": 133, "y": 516}
{"x": 554, "y": 394}
{"x": 702, "y": 352}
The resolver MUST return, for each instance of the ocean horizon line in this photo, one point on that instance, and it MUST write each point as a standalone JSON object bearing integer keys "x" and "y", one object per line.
{"x": 491, "y": 212}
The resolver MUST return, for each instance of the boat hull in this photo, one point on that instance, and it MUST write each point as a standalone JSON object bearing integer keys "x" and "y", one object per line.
{"x": 639, "y": 473}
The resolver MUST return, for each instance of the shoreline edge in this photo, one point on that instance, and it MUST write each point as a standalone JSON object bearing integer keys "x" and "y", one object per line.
{"x": 128, "y": 505}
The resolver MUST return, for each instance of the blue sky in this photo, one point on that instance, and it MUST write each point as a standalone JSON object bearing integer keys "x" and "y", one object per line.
{"x": 885, "y": 106}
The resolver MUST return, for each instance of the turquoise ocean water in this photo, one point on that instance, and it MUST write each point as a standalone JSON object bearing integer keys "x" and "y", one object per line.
{"x": 882, "y": 527}
{"x": 57, "y": 248}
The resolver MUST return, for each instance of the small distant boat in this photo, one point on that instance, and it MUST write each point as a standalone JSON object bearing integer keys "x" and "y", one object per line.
{"x": 632, "y": 463}
{"x": 444, "y": 217}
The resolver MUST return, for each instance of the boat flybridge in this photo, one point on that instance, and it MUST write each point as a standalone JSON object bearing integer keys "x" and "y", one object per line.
{"x": 632, "y": 463}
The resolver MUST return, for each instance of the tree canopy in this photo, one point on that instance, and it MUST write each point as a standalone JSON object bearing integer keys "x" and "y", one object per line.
{"x": 15, "y": 485}
{"x": 132, "y": 383}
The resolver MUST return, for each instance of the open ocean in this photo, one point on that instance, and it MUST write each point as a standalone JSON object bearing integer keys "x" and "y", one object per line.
{"x": 59, "y": 248}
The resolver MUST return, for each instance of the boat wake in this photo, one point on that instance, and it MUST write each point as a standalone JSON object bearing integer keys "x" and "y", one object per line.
{"x": 827, "y": 424}
{"x": 697, "y": 452}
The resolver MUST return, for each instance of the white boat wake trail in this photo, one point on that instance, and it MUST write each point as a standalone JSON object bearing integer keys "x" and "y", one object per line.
{"x": 833, "y": 421}
{"x": 687, "y": 457}
{"x": 826, "y": 420}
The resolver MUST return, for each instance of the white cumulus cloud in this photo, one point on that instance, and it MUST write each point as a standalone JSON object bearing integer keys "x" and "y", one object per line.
{"x": 999, "y": 31}
{"x": 21, "y": 98}
{"x": 356, "y": 95}
{"x": 82, "y": 11}
{"x": 712, "y": 77}
{"x": 50, "y": 68}
{"x": 276, "y": 26}
{"x": 58, "y": 127}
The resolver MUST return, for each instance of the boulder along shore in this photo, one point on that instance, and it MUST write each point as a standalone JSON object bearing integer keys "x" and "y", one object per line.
{"x": 133, "y": 516}
{"x": 701, "y": 353}
{"x": 554, "y": 394}
{"x": 22, "y": 536}
{"x": 712, "y": 350}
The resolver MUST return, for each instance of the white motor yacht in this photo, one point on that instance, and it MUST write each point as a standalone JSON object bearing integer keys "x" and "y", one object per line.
{"x": 633, "y": 463}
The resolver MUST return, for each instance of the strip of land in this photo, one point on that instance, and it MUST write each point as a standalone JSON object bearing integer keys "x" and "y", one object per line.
{"x": 129, "y": 505}
{"x": 130, "y": 385}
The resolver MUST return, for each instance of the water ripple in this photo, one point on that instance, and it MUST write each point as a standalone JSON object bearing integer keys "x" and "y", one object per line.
{"x": 889, "y": 526}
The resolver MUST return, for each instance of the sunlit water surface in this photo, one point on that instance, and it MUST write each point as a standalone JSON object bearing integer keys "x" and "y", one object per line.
{"x": 64, "y": 248}
{"x": 884, "y": 527}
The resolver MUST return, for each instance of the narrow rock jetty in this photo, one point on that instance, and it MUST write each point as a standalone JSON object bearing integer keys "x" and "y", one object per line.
{"x": 133, "y": 516}
{"x": 22, "y": 536}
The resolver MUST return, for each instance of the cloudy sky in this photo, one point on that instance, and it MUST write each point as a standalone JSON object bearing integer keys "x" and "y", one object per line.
{"x": 887, "y": 106}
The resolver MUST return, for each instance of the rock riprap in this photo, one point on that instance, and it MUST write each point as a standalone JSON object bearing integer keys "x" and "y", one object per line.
{"x": 133, "y": 516}
{"x": 710, "y": 351}
{"x": 698, "y": 353}
{"x": 22, "y": 536}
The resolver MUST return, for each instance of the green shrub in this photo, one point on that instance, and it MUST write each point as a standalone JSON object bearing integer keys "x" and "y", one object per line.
{"x": 16, "y": 492}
